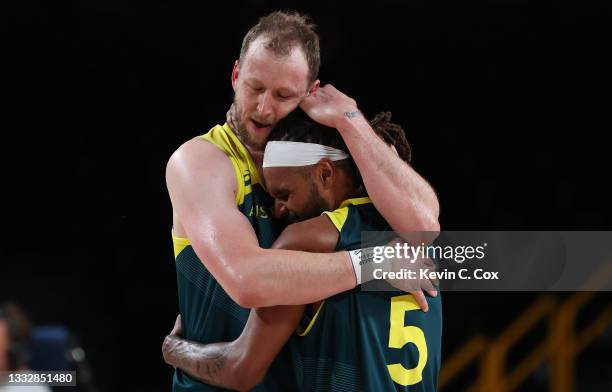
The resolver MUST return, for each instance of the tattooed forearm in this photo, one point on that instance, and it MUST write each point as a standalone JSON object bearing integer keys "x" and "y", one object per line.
{"x": 214, "y": 357}
{"x": 205, "y": 362}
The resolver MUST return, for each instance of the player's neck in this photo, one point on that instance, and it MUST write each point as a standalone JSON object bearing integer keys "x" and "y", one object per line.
{"x": 351, "y": 195}
{"x": 256, "y": 155}
{"x": 345, "y": 190}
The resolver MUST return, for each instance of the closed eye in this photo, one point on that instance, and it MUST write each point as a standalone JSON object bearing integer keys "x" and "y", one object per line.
{"x": 282, "y": 196}
{"x": 285, "y": 95}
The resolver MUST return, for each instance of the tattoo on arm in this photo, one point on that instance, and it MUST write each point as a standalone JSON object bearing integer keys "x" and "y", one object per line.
{"x": 209, "y": 370}
{"x": 204, "y": 362}
{"x": 350, "y": 115}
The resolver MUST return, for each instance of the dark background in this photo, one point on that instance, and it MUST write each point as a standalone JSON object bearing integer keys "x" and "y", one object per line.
{"x": 506, "y": 104}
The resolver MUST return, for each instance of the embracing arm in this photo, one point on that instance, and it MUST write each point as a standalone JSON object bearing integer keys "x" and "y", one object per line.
{"x": 404, "y": 198}
{"x": 243, "y": 363}
{"x": 202, "y": 185}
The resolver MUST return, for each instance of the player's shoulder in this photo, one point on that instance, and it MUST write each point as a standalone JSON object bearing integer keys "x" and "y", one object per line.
{"x": 348, "y": 208}
{"x": 196, "y": 149}
{"x": 196, "y": 158}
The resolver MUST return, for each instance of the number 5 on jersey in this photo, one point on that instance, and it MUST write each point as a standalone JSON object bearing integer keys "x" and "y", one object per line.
{"x": 400, "y": 335}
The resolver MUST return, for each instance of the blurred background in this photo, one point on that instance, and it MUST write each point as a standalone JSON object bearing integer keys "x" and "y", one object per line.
{"x": 506, "y": 105}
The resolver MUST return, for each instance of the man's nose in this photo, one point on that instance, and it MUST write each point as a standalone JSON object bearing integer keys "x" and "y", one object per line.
{"x": 280, "y": 210}
{"x": 265, "y": 104}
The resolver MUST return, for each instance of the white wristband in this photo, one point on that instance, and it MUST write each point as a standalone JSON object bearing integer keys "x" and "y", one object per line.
{"x": 362, "y": 258}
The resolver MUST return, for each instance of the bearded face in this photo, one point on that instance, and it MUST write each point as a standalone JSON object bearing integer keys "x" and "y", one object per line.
{"x": 267, "y": 87}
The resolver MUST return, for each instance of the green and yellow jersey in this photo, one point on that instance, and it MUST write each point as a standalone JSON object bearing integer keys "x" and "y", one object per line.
{"x": 368, "y": 340}
{"x": 208, "y": 314}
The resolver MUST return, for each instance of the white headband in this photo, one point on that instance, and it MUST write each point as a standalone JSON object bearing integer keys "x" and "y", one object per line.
{"x": 292, "y": 154}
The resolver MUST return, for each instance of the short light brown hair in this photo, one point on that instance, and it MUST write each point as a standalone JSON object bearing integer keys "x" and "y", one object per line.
{"x": 284, "y": 31}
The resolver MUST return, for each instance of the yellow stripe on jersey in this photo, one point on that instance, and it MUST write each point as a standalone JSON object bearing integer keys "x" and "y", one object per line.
{"x": 312, "y": 322}
{"x": 223, "y": 137}
{"x": 338, "y": 216}
{"x": 180, "y": 244}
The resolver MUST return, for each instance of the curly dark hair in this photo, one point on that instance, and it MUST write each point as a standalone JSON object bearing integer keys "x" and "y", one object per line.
{"x": 298, "y": 127}
{"x": 393, "y": 134}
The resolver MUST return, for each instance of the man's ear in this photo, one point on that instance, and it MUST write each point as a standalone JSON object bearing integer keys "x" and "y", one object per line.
{"x": 235, "y": 74}
{"x": 325, "y": 172}
{"x": 314, "y": 87}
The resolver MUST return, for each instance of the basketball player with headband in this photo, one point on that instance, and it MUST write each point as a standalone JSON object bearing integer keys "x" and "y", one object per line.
{"x": 346, "y": 342}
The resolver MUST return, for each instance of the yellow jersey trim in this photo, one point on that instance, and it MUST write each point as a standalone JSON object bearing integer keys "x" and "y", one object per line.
{"x": 338, "y": 216}
{"x": 243, "y": 150}
{"x": 355, "y": 201}
{"x": 224, "y": 138}
{"x": 180, "y": 244}
{"x": 312, "y": 322}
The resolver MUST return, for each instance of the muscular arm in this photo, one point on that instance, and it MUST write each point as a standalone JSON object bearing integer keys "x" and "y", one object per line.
{"x": 406, "y": 201}
{"x": 243, "y": 363}
{"x": 404, "y": 198}
{"x": 202, "y": 186}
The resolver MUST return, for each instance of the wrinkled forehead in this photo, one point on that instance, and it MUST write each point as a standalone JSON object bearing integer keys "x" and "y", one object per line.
{"x": 289, "y": 69}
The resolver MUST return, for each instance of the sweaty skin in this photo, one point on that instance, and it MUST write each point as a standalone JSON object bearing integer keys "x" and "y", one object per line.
{"x": 252, "y": 276}
{"x": 404, "y": 198}
{"x": 242, "y": 364}
{"x": 202, "y": 186}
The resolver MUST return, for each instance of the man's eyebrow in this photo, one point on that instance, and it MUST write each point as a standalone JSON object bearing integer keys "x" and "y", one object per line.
{"x": 270, "y": 187}
{"x": 252, "y": 79}
{"x": 287, "y": 91}
{"x": 278, "y": 191}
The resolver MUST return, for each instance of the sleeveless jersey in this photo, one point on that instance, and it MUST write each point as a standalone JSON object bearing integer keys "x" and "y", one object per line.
{"x": 208, "y": 314}
{"x": 367, "y": 340}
